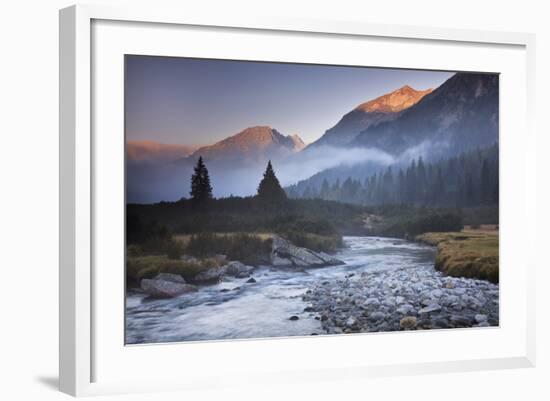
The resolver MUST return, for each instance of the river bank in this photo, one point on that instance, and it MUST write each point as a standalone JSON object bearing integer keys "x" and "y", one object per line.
{"x": 403, "y": 298}
{"x": 470, "y": 253}
{"x": 382, "y": 281}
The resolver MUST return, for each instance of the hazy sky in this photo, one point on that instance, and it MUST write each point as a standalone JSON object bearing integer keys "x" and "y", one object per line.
{"x": 201, "y": 101}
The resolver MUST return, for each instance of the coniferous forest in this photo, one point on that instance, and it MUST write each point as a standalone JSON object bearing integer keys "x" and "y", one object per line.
{"x": 471, "y": 179}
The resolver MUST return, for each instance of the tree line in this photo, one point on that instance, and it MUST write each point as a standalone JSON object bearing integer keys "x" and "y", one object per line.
{"x": 470, "y": 179}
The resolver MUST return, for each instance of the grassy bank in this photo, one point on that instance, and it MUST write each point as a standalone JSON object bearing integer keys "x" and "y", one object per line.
{"x": 191, "y": 254}
{"x": 148, "y": 266}
{"x": 471, "y": 253}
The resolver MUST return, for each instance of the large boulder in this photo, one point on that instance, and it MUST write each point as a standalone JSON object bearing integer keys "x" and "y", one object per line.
{"x": 238, "y": 269}
{"x": 285, "y": 254}
{"x": 212, "y": 275}
{"x": 166, "y": 285}
{"x": 175, "y": 278}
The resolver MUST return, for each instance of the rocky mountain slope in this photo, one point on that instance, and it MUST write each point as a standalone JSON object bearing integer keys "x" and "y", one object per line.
{"x": 254, "y": 144}
{"x": 371, "y": 113}
{"x": 458, "y": 116}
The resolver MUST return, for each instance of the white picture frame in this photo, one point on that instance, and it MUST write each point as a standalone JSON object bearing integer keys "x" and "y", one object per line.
{"x": 79, "y": 342}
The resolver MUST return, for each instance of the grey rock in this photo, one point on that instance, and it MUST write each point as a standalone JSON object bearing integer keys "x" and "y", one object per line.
{"x": 351, "y": 321}
{"x": 405, "y": 309}
{"x": 278, "y": 261}
{"x": 480, "y": 318}
{"x": 237, "y": 269}
{"x": 284, "y": 253}
{"x": 430, "y": 308}
{"x": 211, "y": 275}
{"x": 441, "y": 323}
{"x": 372, "y": 302}
{"x": 175, "y": 278}
{"x": 164, "y": 288}
{"x": 376, "y": 316}
{"x": 449, "y": 300}
{"x": 426, "y": 301}
{"x": 458, "y": 320}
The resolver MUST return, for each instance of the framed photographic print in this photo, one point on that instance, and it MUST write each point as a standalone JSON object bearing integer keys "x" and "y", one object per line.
{"x": 296, "y": 199}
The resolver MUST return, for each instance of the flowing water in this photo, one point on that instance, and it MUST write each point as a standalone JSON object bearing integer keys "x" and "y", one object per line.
{"x": 235, "y": 309}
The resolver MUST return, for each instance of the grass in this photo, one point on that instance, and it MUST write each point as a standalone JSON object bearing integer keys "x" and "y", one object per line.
{"x": 246, "y": 248}
{"x": 183, "y": 239}
{"x": 148, "y": 266}
{"x": 315, "y": 242}
{"x": 253, "y": 247}
{"x": 471, "y": 253}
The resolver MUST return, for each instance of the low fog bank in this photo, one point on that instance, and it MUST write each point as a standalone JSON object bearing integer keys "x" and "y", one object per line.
{"x": 311, "y": 161}
{"x": 149, "y": 183}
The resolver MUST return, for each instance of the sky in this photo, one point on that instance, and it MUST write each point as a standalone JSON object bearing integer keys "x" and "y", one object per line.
{"x": 188, "y": 101}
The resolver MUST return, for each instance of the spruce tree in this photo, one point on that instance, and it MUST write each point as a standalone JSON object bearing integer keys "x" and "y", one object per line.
{"x": 270, "y": 189}
{"x": 201, "y": 190}
{"x": 325, "y": 190}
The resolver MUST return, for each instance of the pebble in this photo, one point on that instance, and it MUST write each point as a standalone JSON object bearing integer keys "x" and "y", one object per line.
{"x": 480, "y": 318}
{"x": 430, "y": 308}
{"x": 402, "y": 299}
{"x": 408, "y": 322}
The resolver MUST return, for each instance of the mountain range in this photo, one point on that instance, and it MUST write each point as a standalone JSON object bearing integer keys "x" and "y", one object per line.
{"x": 459, "y": 115}
{"x": 384, "y": 108}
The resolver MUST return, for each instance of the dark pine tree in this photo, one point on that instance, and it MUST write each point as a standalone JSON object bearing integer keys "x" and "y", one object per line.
{"x": 270, "y": 189}
{"x": 201, "y": 190}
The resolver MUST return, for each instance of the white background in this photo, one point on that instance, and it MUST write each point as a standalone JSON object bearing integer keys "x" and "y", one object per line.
{"x": 113, "y": 362}
{"x": 28, "y": 209}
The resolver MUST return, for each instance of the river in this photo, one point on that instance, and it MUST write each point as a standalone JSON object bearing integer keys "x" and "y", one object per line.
{"x": 234, "y": 309}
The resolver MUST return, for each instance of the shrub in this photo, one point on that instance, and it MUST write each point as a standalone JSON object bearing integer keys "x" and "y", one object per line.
{"x": 134, "y": 250}
{"x": 246, "y": 248}
{"x": 325, "y": 243}
{"x": 138, "y": 268}
{"x": 420, "y": 221}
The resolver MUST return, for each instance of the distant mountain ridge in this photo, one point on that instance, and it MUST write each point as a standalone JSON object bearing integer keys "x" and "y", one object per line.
{"x": 151, "y": 152}
{"x": 383, "y": 108}
{"x": 252, "y": 144}
{"x": 459, "y": 115}
{"x": 395, "y": 101}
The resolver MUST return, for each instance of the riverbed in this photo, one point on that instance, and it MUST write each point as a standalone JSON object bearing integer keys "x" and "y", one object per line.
{"x": 383, "y": 281}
